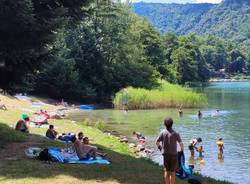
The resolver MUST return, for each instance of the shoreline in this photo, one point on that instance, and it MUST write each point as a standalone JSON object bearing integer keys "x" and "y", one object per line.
{"x": 229, "y": 80}
{"x": 100, "y": 139}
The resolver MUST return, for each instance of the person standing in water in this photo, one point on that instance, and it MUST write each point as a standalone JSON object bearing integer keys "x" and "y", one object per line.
{"x": 193, "y": 145}
{"x": 199, "y": 114}
{"x": 180, "y": 112}
{"x": 167, "y": 140}
{"x": 220, "y": 144}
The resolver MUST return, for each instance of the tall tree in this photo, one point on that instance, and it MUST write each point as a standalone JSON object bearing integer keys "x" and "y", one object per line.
{"x": 27, "y": 29}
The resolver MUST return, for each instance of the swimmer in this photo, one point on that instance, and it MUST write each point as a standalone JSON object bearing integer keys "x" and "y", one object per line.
{"x": 220, "y": 144}
{"x": 216, "y": 113}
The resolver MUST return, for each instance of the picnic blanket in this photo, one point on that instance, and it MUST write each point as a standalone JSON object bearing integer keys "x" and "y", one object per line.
{"x": 69, "y": 156}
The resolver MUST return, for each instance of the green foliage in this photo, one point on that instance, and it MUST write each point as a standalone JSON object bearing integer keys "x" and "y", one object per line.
{"x": 86, "y": 122}
{"x": 101, "y": 56}
{"x": 100, "y": 125}
{"x": 229, "y": 20}
{"x": 167, "y": 95}
{"x": 60, "y": 80}
{"x": 88, "y": 53}
{"x": 28, "y": 27}
{"x": 8, "y": 135}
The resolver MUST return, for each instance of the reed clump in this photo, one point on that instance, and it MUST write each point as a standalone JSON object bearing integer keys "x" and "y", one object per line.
{"x": 167, "y": 95}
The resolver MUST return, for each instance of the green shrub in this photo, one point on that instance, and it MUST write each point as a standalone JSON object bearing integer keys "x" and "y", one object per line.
{"x": 167, "y": 95}
{"x": 100, "y": 125}
{"x": 87, "y": 122}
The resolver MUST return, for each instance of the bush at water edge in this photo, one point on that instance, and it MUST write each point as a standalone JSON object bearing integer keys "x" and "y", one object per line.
{"x": 167, "y": 95}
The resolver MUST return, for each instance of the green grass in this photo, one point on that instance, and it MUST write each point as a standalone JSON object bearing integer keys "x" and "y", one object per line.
{"x": 167, "y": 95}
{"x": 125, "y": 168}
{"x": 8, "y": 135}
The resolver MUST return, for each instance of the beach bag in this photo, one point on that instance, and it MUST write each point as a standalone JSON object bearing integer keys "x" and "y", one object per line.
{"x": 44, "y": 155}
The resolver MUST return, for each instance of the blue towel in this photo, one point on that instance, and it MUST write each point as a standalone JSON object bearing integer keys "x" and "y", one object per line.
{"x": 73, "y": 159}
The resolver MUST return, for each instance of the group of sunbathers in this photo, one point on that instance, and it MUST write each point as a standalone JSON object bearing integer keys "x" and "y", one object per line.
{"x": 80, "y": 142}
{"x": 24, "y": 123}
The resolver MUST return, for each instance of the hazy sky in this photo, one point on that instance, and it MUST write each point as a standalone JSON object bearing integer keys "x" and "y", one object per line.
{"x": 179, "y": 1}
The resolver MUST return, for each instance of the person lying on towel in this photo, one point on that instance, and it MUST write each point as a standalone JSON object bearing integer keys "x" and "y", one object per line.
{"x": 84, "y": 151}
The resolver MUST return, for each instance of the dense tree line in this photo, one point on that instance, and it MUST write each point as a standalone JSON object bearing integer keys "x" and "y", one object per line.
{"x": 90, "y": 50}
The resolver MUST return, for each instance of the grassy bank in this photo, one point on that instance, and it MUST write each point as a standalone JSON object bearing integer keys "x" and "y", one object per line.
{"x": 167, "y": 95}
{"x": 124, "y": 169}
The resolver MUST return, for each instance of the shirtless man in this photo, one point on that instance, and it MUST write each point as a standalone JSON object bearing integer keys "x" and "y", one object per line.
{"x": 84, "y": 150}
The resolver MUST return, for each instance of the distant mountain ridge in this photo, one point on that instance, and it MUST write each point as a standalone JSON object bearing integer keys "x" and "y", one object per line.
{"x": 229, "y": 20}
{"x": 177, "y": 18}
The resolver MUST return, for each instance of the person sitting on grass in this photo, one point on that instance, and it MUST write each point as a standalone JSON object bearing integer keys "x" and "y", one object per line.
{"x": 23, "y": 124}
{"x": 193, "y": 145}
{"x": 80, "y": 136}
{"x": 84, "y": 151}
{"x": 51, "y": 133}
{"x": 85, "y": 140}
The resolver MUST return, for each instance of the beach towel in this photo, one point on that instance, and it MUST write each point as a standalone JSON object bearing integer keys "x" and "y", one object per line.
{"x": 69, "y": 156}
{"x": 183, "y": 172}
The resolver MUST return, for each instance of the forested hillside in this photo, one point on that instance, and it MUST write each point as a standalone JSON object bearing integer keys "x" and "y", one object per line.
{"x": 229, "y": 20}
{"x": 177, "y": 18}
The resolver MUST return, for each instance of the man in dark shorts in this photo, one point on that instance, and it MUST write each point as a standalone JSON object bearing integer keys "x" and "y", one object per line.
{"x": 167, "y": 140}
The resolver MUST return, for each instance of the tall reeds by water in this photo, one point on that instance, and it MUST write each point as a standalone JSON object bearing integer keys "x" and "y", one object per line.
{"x": 167, "y": 95}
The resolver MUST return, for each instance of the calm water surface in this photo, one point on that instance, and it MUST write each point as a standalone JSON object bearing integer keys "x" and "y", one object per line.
{"x": 232, "y": 123}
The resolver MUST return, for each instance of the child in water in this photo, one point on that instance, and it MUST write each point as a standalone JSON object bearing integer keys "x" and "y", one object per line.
{"x": 220, "y": 144}
{"x": 200, "y": 151}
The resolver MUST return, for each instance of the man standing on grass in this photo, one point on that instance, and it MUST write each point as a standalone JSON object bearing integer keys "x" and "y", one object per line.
{"x": 167, "y": 140}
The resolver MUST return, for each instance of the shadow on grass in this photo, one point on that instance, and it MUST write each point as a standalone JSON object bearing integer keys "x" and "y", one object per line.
{"x": 8, "y": 134}
{"x": 123, "y": 169}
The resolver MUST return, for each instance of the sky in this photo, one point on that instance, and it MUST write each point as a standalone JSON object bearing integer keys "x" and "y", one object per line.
{"x": 179, "y": 1}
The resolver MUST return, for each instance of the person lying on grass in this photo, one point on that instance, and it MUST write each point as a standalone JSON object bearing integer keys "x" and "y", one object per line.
{"x": 51, "y": 133}
{"x": 3, "y": 107}
{"x": 23, "y": 124}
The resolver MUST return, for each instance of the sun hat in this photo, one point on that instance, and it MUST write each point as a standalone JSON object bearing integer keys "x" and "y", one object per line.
{"x": 25, "y": 116}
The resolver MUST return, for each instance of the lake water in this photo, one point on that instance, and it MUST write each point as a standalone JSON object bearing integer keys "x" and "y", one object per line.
{"x": 232, "y": 123}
